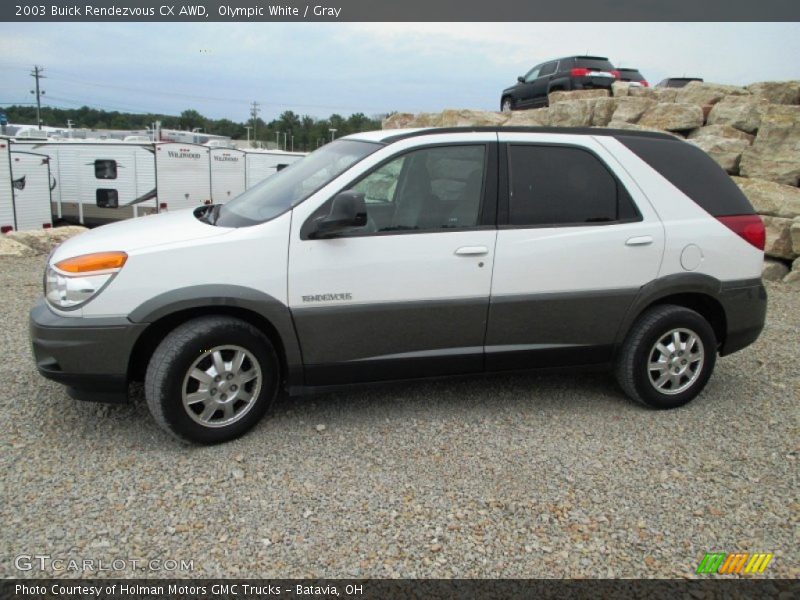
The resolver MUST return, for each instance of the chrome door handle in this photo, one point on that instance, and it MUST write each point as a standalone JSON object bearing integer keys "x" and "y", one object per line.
{"x": 472, "y": 251}
{"x": 642, "y": 240}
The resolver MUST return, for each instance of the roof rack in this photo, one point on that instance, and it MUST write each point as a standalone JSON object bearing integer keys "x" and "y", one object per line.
{"x": 520, "y": 129}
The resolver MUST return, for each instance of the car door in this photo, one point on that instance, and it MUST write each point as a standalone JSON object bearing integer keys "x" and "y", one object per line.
{"x": 576, "y": 240}
{"x": 542, "y": 83}
{"x": 407, "y": 295}
{"x": 526, "y": 88}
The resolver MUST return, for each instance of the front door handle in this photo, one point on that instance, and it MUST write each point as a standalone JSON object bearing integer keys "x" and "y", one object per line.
{"x": 642, "y": 240}
{"x": 472, "y": 251}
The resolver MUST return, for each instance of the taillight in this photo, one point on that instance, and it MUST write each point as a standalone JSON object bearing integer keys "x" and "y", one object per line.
{"x": 748, "y": 227}
{"x": 6, "y": 228}
{"x": 615, "y": 74}
{"x": 579, "y": 72}
{"x": 644, "y": 83}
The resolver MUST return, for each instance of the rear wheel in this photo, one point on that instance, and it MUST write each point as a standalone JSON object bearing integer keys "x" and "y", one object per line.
{"x": 667, "y": 358}
{"x": 211, "y": 379}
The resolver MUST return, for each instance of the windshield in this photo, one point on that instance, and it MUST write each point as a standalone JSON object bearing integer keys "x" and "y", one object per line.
{"x": 290, "y": 186}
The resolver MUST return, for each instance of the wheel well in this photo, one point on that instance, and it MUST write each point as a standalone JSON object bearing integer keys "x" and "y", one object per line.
{"x": 152, "y": 336}
{"x": 709, "y": 308}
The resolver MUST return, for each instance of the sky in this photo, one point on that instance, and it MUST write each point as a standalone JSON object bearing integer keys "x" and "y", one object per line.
{"x": 374, "y": 68}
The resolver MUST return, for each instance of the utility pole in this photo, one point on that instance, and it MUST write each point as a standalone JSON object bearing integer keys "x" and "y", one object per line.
{"x": 278, "y": 140}
{"x": 255, "y": 108}
{"x": 37, "y": 75}
{"x": 248, "y": 133}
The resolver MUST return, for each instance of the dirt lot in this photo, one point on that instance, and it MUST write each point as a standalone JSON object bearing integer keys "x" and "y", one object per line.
{"x": 505, "y": 476}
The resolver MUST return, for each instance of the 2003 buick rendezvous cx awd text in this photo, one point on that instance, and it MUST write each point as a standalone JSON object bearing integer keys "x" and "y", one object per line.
{"x": 414, "y": 253}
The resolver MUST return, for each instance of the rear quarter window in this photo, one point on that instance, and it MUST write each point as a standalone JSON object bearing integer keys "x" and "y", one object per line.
{"x": 693, "y": 172}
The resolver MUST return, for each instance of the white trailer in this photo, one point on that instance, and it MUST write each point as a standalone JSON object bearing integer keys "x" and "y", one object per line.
{"x": 30, "y": 174}
{"x": 227, "y": 174}
{"x": 183, "y": 175}
{"x": 263, "y": 164}
{"x": 6, "y": 191}
{"x": 99, "y": 182}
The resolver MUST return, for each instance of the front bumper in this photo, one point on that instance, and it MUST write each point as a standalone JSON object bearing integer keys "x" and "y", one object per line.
{"x": 89, "y": 356}
{"x": 745, "y": 305}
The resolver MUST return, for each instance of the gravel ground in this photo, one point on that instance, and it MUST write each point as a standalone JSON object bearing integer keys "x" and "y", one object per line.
{"x": 506, "y": 476}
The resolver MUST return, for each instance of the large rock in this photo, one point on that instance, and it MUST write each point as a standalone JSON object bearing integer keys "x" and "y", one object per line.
{"x": 44, "y": 240}
{"x": 573, "y": 113}
{"x": 635, "y": 127}
{"x": 538, "y": 117}
{"x": 793, "y": 277}
{"x": 11, "y": 247}
{"x": 725, "y": 131}
{"x": 770, "y": 198}
{"x": 426, "y": 120}
{"x": 630, "y": 109}
{"x": 673, "y": 117}
{"x": 775, "y": 153}
{"x": 776, "y": 92}
{"x": 743, "y": 113}
{"x": 654, "y": 93}
{"x": 774, "y": 270}
{"x": 621, "y": 88}
{"x": 779, "y": 241}
{"x": 794, "y": 234}
{"x": 725, "y": 151}
{"x": 397, "y": 121}
{"x": 471, "y": 118}
{"x": 604, "y": 109}
{"x": 698, "y": 92}
{"x": 563, "y": 96}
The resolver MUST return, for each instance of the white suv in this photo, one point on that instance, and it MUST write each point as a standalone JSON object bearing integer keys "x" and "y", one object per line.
{"x": 414, "y": 253}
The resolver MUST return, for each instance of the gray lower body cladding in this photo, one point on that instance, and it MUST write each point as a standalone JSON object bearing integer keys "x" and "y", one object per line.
{"x": 387, "y": 341}
{"x": 345, "y": 344}
{"x": 89, "y": 356}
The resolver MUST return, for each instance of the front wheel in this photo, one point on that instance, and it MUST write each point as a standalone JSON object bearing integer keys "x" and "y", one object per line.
{"x": 667, "y": 358}
{"x": 507, "y": 105}
{"x": 211, "y": 379}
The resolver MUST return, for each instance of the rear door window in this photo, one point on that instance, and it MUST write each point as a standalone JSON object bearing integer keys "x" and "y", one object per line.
{"x": 563, "y": 185}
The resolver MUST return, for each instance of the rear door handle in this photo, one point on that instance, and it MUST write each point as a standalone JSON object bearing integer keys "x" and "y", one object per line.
{"x": 472, "y": 251}
{"x": 642, "y": 240}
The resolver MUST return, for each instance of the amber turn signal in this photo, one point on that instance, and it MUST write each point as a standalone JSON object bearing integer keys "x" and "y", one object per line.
{"x": 99, "y": 261}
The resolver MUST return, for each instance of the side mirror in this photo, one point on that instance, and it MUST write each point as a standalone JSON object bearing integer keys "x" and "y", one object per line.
{"x": 347, "y": 210}
{"x": 521, "y": 79}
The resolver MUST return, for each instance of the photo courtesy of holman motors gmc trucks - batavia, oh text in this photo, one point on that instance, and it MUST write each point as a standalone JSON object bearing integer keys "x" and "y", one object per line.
{"x": 414, "y": 253}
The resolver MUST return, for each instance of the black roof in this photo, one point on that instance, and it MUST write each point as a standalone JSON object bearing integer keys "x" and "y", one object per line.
{"x": 655, "y": 135}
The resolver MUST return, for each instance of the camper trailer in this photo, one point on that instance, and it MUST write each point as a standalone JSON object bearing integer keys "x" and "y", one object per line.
{"x": 263, "y": 164}
{"x": 6, "y": 192}
{"x": 99, "y": 182}
{"x": 30, "y": 190}
{"x": 183, "y": 175}
{"x": 228, "y": 174}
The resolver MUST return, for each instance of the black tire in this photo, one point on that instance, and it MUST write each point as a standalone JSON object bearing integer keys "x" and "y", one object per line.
{"x": 640, "y": 382}
{"x": 511, "y": 104}
{"x": 168, "y": 377}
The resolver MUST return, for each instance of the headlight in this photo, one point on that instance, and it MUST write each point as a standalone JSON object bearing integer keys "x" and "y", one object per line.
{"x": 73, "y": 282}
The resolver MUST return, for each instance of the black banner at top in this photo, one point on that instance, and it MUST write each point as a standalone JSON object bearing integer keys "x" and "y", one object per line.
{"x": 405, "y": 10}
